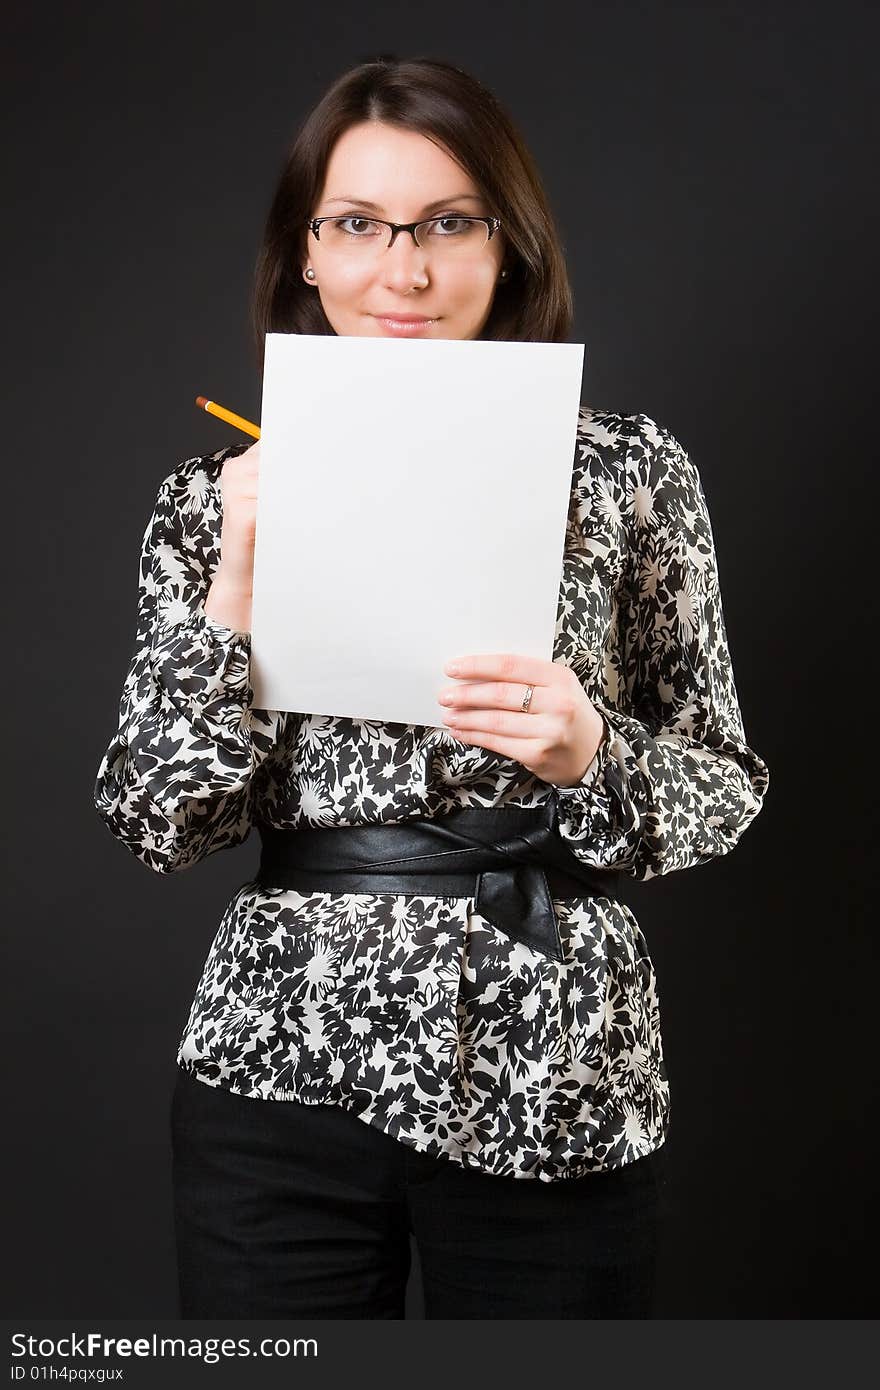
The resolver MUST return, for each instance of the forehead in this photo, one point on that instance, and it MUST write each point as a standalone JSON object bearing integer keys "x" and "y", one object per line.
{"x": 390, "y": 166}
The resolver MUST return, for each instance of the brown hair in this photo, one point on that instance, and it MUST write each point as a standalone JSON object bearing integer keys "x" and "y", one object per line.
{"x": 455, "y": 110}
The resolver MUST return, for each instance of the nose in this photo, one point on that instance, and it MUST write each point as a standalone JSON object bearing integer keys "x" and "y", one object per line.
{"x": 404, "y": 263}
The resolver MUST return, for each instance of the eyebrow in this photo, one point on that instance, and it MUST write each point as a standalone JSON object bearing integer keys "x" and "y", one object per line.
{"x": 429, "y": 207}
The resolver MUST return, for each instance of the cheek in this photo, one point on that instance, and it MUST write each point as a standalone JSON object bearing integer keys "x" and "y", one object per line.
{"x": 344, "y": 281}
{"x": 470, "y": 287}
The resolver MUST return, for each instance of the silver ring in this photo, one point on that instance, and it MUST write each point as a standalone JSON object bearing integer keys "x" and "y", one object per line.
{"x": 527, "y": 699}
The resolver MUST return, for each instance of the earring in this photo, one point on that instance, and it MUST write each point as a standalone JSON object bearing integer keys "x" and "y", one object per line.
{"x": 310, "y": 274}
{"x": 503, "y": 275}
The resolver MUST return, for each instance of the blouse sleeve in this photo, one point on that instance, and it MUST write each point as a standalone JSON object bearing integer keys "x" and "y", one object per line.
{"x": 177, "y": 781}
{"x": 674, "y": 783}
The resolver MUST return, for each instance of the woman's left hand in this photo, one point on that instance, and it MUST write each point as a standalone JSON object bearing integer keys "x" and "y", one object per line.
{"x": 556, "y": 739}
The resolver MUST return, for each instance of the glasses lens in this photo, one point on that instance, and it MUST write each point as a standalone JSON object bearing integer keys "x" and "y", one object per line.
{"x": 442, "y": 236}
{"x": 450, "y": 236}
{"x": 354, "y": 235}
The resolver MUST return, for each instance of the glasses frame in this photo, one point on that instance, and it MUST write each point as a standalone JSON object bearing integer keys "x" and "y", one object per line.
{"x": 493, "y": 223}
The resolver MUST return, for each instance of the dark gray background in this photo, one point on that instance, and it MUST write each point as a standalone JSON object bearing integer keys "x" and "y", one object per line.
{"x": 711, "y": 170}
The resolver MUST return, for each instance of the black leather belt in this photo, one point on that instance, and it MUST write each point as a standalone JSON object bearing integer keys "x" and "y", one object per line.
{"x": 511, "y": 859}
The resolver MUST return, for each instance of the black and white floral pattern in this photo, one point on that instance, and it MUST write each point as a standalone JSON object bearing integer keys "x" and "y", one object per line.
{"x": 415, "y": 1013}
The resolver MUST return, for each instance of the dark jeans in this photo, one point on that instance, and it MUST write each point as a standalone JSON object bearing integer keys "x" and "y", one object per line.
{"x": 284, "y": 1209}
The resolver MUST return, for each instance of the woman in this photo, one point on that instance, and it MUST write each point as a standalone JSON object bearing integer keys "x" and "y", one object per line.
{"x": 362, "y": 1066}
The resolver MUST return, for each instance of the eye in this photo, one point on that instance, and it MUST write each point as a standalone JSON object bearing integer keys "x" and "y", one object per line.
{"x": 366, "y": 225}
{"x": 459, "y": 225}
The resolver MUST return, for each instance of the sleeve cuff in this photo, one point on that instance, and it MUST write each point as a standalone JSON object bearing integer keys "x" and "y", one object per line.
{"x": 201, "y": 664}
{"x": 596, "y": 767}
{"x": 219, "y": 629}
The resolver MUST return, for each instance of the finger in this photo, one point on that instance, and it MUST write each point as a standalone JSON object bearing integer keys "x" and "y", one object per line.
{"x": 517, "y": 749}
{"x": 499, "y": 722}
{"x": 494, "y": 695}
{"x": 503, "y": 666}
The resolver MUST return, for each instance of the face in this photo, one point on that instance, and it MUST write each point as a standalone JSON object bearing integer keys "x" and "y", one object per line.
{"x": 403, "y": 174}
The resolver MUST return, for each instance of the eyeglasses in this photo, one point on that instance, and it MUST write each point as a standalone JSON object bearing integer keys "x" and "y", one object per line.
{"x": 363, "y": 237}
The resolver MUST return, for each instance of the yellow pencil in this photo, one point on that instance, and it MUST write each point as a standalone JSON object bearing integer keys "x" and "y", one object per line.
{"x": 229, "y": 416}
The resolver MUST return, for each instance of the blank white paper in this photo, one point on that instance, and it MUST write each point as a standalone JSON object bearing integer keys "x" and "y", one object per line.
{"x": 412, "y": 504}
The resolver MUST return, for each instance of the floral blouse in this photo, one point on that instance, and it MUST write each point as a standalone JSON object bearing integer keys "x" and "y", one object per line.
{"x": 414, "y": 1012}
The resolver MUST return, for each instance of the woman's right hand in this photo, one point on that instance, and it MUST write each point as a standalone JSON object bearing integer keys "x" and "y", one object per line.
{"x": 230, "y": 595}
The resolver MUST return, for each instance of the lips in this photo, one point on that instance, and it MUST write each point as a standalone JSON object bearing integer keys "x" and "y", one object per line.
{"x": 405, "y": 318}
{"x": 411, "y": 326}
